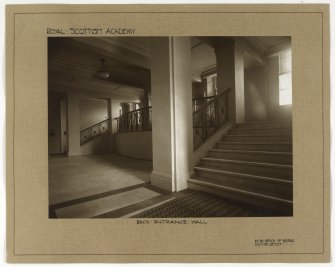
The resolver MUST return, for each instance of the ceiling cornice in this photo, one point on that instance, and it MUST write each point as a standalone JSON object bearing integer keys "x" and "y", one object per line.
{"x": 278, "y": 49}
{"x": 251, "y": 49}
{"x": 208, "y": 71}
{"x": 92, "y": 93}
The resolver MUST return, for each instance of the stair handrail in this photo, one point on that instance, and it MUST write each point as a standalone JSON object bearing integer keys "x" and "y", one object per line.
{"x": 135, "y": 120}
{"x": 204, "y": 97}
{"x": 198, "y": 102}
{"x": 94, "y": 131}
{"x": 214, "y": 99}
{"x": 208, "y": 118}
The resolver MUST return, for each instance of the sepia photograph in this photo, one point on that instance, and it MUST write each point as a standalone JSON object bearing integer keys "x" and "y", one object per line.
{"x": 168, "y": 133}
{"x": 170, "y": 127}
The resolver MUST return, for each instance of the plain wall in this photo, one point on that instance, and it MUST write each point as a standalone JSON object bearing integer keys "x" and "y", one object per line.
{"x": 92, "y": 111}
{"x": 255, "y": 94}
{"x": 54, "y": 122}
{"x": 239, "y": 85}
{"x": 73, "y": 123}
{"x": 98, "y": 145}
{"x": 134, "y": 144}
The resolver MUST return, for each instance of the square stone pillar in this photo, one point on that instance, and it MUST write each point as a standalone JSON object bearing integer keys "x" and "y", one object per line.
{"x": 113, "y": 113}
{"x": 230, "y": 74}
{"x": 146, "y": 91}
{"x": 73, "y": 120}
{"x": 172, "y": 129}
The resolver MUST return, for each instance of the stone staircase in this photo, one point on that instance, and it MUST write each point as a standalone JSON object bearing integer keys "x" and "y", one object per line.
{"x": 251, "y": 164}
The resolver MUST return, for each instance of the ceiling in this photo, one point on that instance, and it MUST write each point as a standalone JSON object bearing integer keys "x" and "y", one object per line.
{"x": 256, "y": 49}
{"x": 203, "y": 58}
{"x": 74, "y": 62}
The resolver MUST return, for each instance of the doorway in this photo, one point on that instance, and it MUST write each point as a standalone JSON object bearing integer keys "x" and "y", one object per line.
{"x": 63, "y": 127}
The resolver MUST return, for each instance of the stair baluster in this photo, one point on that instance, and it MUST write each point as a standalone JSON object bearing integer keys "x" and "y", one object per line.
{"x": 209, "y": 117}
{"x": 94, "y": 131}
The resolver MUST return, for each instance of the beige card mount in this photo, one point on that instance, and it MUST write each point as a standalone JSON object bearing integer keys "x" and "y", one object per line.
{"x": 168, "y": 133}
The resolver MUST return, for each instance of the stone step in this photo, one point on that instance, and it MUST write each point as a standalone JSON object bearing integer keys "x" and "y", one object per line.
{"x": 259, "y": 184}
{"x": 281, "y": 205}
{"x": 249, "y": 167}
{"x": 256, "y": 146}
{"x": 260, "y": 131}
{"x": 284, "y": 158}
{"x": 257, "y": 138}
{"x": 265, "y": 124}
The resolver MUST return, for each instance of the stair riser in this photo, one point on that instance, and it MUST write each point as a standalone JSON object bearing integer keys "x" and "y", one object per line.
{"x": 252, "y": 185}
{"x": 265, "y": 125}
{"x": 255, "y": 138}
{"x": 277, "y": 159}
{"x": 270, "y": 147}
{"x": 282, "y": 209}
{"x": 261, "y": 131}
{"x": 283, "y": 173}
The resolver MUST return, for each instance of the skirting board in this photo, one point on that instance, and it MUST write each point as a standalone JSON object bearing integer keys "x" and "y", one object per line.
{"x": 165, "y": 181}
{"x": 162, "y": 180}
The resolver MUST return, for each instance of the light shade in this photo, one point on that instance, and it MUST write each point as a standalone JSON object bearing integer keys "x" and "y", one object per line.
{"x": 103, "y": 74}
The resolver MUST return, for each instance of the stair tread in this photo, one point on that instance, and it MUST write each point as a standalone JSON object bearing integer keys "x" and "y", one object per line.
{"x": 252, "y": 151}
{"x": 254, "y": 143}
{"x": 233, "y": 170}
{"x": 266, "y": 129}
{"x": 244, "y": 192}
{"x": 258, "y": 177}
{"x": 260, "y": 135}
{"x": 249, "y": 162}
{"x": 263, "y": 122}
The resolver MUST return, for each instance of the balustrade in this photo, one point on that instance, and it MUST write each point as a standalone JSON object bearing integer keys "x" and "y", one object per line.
{"x": 209, "y": 117}
{"x": 136, "y": 120}
{"x": 93, "y": 131}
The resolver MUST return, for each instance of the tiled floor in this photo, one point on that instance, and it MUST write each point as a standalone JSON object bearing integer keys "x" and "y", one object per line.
{"x": 77, "y": 177}
{"x": 112, "y": 186}
{"x": 106, "y": 204}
